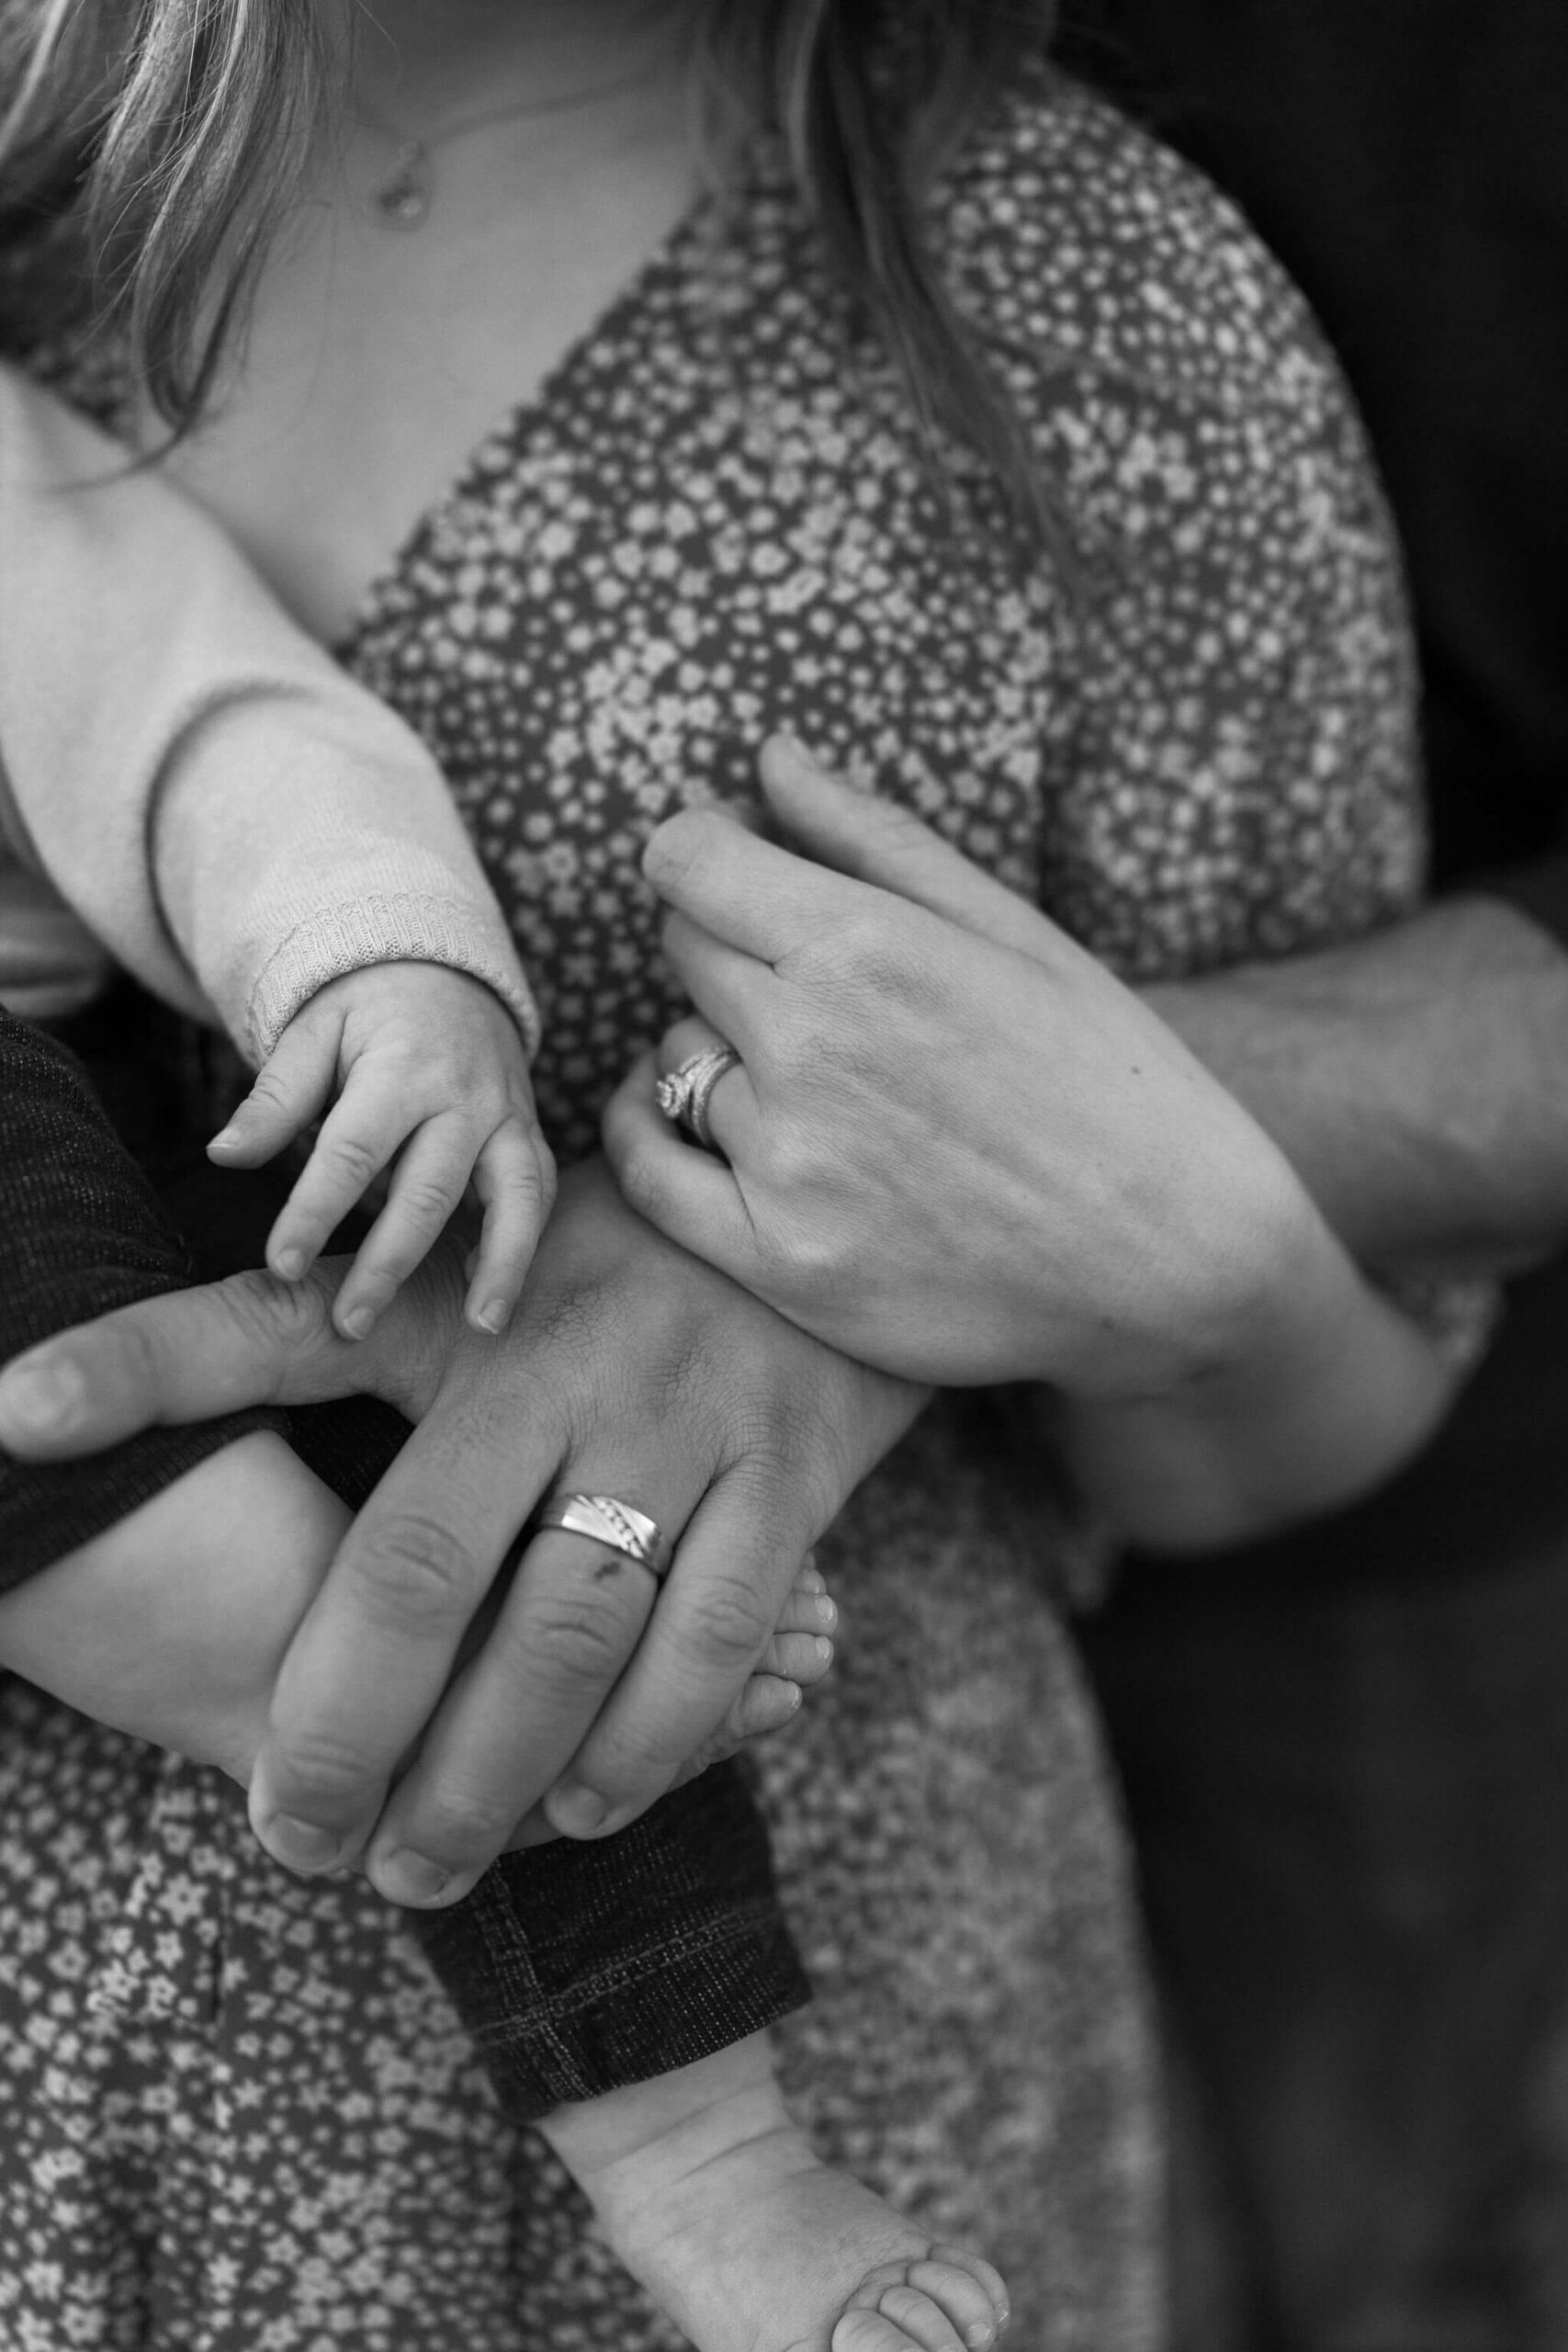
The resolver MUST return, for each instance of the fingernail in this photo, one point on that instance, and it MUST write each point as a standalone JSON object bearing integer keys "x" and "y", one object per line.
{"x": 224, "y": 1137}
{"x": 812, "y": 1579}
{"x": 577, "y": 1813}
{"x": 981, "y": 2332}
{"x": 41, "y": 1401}
{"x": 290, "y": 1264}
{"x": 493, "y": 1318}
{"x": 823, "y": 1647}
{"x": 357, "y": 1323}
{"x": 826, "y": 1612}
{"x": 301, "y": 1845}
{"x": 404, "y": 1876}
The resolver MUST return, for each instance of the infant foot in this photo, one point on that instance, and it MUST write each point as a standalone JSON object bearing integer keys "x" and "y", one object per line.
{"x": 751, "y": 2243}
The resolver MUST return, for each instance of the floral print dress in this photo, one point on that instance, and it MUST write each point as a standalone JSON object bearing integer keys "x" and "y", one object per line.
{"x": 241, "y": 2115}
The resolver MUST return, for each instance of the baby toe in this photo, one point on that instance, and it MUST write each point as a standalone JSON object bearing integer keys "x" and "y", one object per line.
{"x": 921, "y": 2319}
{"x": 985, "y": 2274}
{"x": 873, "y": 2331}
{"x": 976, "y": 2315}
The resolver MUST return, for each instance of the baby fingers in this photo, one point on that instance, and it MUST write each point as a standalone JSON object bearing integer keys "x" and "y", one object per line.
{"x": 515, "y": 1178}
{"x": 427, "y": 1186}
{"x": 291, "y": 1088}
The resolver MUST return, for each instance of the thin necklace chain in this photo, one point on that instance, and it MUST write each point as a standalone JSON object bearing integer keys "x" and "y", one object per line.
{"x": 404, "y": 198}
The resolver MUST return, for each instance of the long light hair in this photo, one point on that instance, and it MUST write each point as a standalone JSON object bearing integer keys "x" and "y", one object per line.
{"x": 148, "y": 149}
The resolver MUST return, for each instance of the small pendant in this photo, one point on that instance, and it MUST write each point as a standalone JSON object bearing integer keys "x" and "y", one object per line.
{"x": 403, "y": 200}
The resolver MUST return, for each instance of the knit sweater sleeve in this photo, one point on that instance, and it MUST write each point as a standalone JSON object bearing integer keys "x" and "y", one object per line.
{"x": 80, "y": 1234}
{"x": 235, "y": 818}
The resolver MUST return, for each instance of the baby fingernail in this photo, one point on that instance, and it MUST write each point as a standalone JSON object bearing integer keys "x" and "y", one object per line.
{"x": 41, "y": 1400}
{"x": 404, "y": 1876}
{"x": 224, "y": 1137}
{"x": 290, "y": 1264}
{"x": 823, "y": 1647}
{"x": 493, "y": 1317}
{"x": 826, "y": 1612}
{"x": 577, "y": 1813}
{"x": 301, "y": 1845}
{"x": 981, "y": 2332}
{"x": 356, "y": 1324}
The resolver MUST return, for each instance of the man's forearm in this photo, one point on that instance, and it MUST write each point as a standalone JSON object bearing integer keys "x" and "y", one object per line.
{"x": 1418, "y": 1080}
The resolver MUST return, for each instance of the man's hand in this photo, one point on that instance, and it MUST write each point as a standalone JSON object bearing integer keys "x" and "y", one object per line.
{"x": 631, "y": 1370}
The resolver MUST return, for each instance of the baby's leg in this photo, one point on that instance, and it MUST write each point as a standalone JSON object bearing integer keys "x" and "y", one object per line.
{"x": 712, "y": 2199}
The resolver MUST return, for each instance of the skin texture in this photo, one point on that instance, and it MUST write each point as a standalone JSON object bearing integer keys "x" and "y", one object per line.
{"x": 1417, "y": 1081}
{"x": 173, "y": 1624}
{"x": 632, "y": 1369}
{"x": 425, "y": 1066}
{"x": 1071, "y": 1199}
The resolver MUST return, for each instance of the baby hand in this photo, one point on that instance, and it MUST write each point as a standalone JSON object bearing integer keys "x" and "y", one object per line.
{"x": 427, "y": 1066}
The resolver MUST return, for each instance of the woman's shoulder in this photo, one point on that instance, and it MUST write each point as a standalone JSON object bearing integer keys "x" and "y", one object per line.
{"x": 1076, "y": 239}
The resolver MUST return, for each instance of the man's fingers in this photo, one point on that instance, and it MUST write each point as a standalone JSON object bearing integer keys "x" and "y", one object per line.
{"x": 878, "y": 842}
{"x": 717, "y": 1612}
{"x": 520, "y": 1708}
{"x": 185, "y": 1357}
{"x": 515, "y": 1178}
{"x": 291, "y": 1089}
{"x": 369, "y": 1665}
{"x": 513, "y": 1718}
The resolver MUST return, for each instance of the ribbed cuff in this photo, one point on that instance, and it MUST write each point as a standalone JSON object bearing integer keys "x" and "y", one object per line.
{"x": 581, "y": 1967}
{"x": 415, "y": 927}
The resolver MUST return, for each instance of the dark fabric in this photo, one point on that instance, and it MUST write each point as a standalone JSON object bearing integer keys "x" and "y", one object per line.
{"x": 582, "y": 1966}
{"x": 1351, "y": 1809}
{"x": 1408, "y": 160}
{"x": 1344, "y": 1750}
{"x": 577, "y": 1967}
{"x": 80, "y": 1233}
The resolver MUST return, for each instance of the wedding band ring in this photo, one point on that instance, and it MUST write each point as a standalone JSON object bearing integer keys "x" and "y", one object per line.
{"x": 685, "y": 1095}
{"x": 612, "y": 1523}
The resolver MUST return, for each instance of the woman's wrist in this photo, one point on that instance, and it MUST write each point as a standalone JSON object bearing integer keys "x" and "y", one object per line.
{"x": 1321, "y": 1388}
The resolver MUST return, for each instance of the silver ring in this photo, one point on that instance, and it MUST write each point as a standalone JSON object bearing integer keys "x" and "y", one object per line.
{"x": 685, "y": 1095}
{"x": 613, "y": 1523}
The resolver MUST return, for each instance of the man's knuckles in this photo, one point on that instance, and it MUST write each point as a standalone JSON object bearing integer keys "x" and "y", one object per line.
{"x": 413, "y": 1574}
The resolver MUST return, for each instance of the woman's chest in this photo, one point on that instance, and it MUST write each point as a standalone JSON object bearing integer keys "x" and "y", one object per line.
{"x": 375, "y": 358}
{"x": 632, "y": 589}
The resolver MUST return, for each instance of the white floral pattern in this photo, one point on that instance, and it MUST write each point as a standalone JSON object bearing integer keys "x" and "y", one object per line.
{"x": 244, "y": 2119}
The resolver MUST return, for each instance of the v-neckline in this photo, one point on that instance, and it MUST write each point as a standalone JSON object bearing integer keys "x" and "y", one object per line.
{"x": 540, "y": 408}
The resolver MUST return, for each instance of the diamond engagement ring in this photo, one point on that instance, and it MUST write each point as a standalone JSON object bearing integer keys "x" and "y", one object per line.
{"x": 685, "y": 1095}
{"x": 610, "y": 1523}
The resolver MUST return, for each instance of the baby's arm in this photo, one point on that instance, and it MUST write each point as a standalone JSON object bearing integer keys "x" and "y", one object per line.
{"x": 239, "y": 822}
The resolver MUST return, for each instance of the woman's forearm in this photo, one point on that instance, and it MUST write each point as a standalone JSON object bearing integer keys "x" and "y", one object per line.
{"x": 1328, "y": 1390}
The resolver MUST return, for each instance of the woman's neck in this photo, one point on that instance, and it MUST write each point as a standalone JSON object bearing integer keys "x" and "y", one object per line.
{"x": 422, "y": 63}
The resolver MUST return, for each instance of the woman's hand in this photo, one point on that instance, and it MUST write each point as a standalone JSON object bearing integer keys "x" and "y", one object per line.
{"x": 958, "y": 1147}
{"x": 630, "y": 1370}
